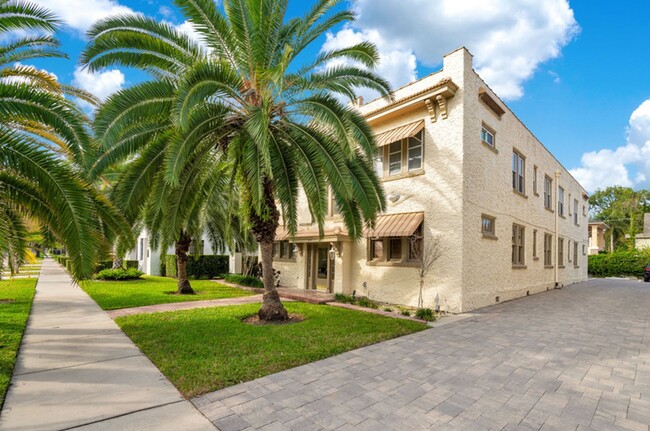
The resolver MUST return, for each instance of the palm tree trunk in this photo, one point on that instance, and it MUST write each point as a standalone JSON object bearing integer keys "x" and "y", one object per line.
{"x": 182, "y": 247}
{"x": 117, "y": 262}
{"x": 264, "y": 230}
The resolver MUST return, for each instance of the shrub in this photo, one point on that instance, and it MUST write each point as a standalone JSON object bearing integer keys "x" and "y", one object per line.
{"x": 244, "y": 280}
{"x": 388, "y": 309}
{"x": 619, "y": 263}
{"x": 103, "y": 264}
{"x": 62, "y": 260}
{"x": 365, "y": 302}
{"x": 405, "y": 313}
{"x": 119, "y": 274}
{"x": 425, "y": 314}
{"x": 345, "y": 299}
{"x": 206, "y": 266}
{"x": 131, "y": 264}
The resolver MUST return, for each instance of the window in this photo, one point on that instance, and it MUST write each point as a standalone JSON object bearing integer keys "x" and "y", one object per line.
{"x": 283, "y": 250}
{"x": 395, "y": 158}
{"x": 401, "y": 156}
{"x": 575, "y": 254}
{"x": 518, "y": 252}
{"x": 548, "y": 244}
{"x": 415, "y": 152}
{"x": 487, "y": 136}
{"x": 560, "y": 252}
{"x": 518, "y": 172}
{"x": 560, "y": 201}
{"x": 377, "y": 249}
{"x": 548, "y": 193}
{"x": 534, "y": 243}
{"x": 332, "y": 206}
{"x": 141, "y": 249}
{"x": 396, "y": 250}
{"x": 575, "y": 212}
{"x": 535, "y": 179}
{"x": 487, "y": 225}
{"x": 193, "y": 250}
{"x": 584, "y": 210}
{"x": 584, "y": 249}
{"x": 568, "y": 250}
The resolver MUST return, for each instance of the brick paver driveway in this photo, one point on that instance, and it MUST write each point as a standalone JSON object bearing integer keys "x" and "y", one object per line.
{"x": 576, "y": 358}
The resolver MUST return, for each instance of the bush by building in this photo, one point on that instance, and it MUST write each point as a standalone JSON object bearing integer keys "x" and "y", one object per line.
{"x": 244, "y": 280}
{"x": 205, "y": 267}
{"x": 619, "y": 264}
{"x": 119, "y": 274}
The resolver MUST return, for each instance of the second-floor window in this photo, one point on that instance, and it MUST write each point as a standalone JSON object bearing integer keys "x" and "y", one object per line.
{"x": 575, "y": 212}
{"x": 548, "y": 192}
{"x": 487, "y": 136}
{"x": 560, "y": 201}
{"x": 518, "y": 169}
{"x": 400, "y": 157}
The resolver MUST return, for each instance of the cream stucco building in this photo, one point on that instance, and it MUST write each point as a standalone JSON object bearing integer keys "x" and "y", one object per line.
{"x": 455, "y": 164}
{"x": 597, "y": 231}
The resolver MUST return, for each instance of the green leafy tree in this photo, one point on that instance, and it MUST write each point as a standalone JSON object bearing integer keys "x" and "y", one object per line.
{"x": 272, "y": 120}
{"x": 622, "y": 208}
{"x": 44, "y": 144}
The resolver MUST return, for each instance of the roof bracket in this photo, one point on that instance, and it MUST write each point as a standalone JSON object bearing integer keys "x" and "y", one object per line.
{"x": 442, "y": 102}
{"x": 432, "y": 109}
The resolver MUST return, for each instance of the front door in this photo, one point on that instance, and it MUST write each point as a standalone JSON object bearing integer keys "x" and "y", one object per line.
{"x": 320, "y": 268}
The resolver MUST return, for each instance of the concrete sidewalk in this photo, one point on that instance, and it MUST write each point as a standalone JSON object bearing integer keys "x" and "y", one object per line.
{"x": 77, "y": 370}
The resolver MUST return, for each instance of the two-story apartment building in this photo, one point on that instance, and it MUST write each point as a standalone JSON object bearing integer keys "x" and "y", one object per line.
{"x": 458, "y": 165}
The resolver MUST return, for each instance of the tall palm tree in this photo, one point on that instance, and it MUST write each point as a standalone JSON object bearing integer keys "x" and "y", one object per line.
{"x": 44, "y": 143}
{"x": 273, "y": 121}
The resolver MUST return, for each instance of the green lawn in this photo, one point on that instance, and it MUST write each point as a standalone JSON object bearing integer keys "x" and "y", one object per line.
{"x": 150, "y": 290}
{"x": 15, "y": 302}
{"x": 203, "y": 350}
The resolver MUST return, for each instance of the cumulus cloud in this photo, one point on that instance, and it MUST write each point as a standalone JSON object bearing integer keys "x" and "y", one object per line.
{"x": 627, "y": 165}
{"x": 81, "y": 14}
{"x": 509, "y": 39}
{"x": 101, "y": 84}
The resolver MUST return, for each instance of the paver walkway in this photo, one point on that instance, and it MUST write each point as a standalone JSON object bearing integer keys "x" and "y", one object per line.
{"x": 570, "y": 359}
{"x": 189, "y": 305}
{"x": 77, "y": 370}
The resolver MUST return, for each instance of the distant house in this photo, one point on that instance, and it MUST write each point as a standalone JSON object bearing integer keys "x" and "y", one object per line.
{"x": 597, "y": 231}
{"x": 458, "y": 165}
{"x": 642, "y": 240}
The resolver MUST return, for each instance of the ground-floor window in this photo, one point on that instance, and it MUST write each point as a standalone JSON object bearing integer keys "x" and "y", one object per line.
{"x": 283, "y": 250}
{"x": 560, "y": 251}
{"x": 548, "y": 246}
{"x": 518, "y": 251}
{"x": 396, "y": 250}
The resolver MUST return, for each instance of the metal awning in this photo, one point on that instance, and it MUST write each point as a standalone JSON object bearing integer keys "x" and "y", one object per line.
{"x": 403, "y": 224}
{"x": 311, "y": 234}
{"x": 402, "y": 132}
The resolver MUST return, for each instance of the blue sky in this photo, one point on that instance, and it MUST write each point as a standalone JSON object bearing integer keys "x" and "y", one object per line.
{"x": 573, "y": 71}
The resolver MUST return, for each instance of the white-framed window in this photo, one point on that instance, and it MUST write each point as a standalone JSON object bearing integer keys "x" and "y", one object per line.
{"x": 548, "y": 192}
{"x": 488, "y": 225}
{"x": 400, "y": 157}
{"x": 518, "y": 172}
{"x": 414, "y": 152}
{"x": 141, "y": 249}
{"x": 518, "y": 243}
{"x": 487, "y": 136}
{"x": 548, "y": 249}
{"x": 560, "y": 201}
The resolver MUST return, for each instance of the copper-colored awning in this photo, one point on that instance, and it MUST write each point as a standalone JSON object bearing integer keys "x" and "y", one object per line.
{"x": 404, "y": 224}
{"x": 311, "y": 234}
{"x": 399, "y": 133}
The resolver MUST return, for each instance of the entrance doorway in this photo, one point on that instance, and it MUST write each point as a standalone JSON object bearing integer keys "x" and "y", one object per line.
{"x": 320, "y": 268}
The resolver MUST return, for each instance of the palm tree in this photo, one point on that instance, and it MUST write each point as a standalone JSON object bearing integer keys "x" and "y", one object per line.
{"x": 274, "y": 122}
{"x": 44, "y": 143}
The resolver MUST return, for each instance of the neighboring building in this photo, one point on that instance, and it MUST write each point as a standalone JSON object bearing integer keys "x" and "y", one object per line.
{"x": 642, "y": 240}
{"x": 597, "y": 231}
{"x": 149, "y": 260}
{"x": 455, "y": 163}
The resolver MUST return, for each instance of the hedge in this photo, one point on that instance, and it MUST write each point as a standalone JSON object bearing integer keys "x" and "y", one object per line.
{"x": 205, "y": 267}
{"x": 244, "y": 280}
{"x": 131, "y": 264}
{"x": 119, "y": 274}
{"x": 102, "y": 265}
{"x": 619, "y": 263}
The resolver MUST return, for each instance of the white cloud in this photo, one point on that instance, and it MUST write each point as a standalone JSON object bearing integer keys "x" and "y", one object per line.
{"x": 509, "y": 39}
{"x": 101, "y": 84}
{"x": 165, "y": 11}
{"x": 627, "y": 165}
{"x": 81, "y": 14}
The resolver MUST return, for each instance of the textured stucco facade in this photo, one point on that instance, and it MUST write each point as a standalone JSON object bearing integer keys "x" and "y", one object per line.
{"x": 461, "y": 180}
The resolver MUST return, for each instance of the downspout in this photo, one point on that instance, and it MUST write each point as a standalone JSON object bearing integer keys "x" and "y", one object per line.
{"x": 557, "y": 236}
